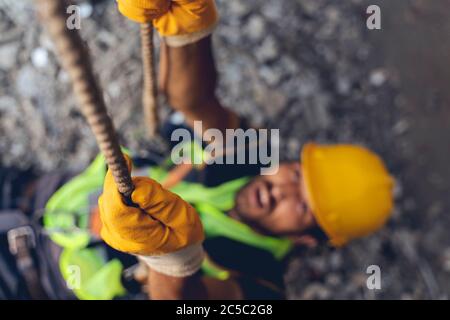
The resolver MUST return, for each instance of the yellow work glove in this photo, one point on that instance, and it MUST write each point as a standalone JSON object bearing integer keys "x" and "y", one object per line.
{"x": 143, "y": 11}
{"x": 164, "y": 231}
{"x": 179, "y": 22}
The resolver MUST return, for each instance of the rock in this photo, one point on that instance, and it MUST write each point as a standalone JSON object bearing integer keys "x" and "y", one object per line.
{"x": 86, "y": 10}
{"x": 7, "y": 104}
{"x": 289, "y": 65}
{"x": 378, "y": 77}
{"x": 39, "y": 57}
{"x": 332, "y": 14}
{"x": 398, "y": 189}
{"x": 316, "y": 291}
{"x": 107, "y": 38}
{"x": 335, "y": 260}
{"x": 307, "y": 84}
{"x": 407, "y": 296}
{"x": 274, "y": 103}
{"x": 273, "y": 13}
{"x": 114, "y": 89}
{"x": 271, "y": 76}
{"x": 333, "y": 280}
{"x": 28, "y": 81}
{"x": 435, "y": 210}
{"x": 46, "y": 42}
{"x": 310, "y": 7}
{"x": 268, "y": 50}
{"x": 401, "y": 127}
{"x": 63, "y": 76}
{"x": 20, "y": 12}
{"x": 318, "y": 264}
{"x": 8, "y": 55}
{"x": 446, "y": 260}
{"x": 410, "y": 204}
{"x": 239, "y": 8}
{"x": 359, "y": 280}
{"x": 344, "y": 85}
{"x": 294, "y": 146}
{"x": 316, "y": 112}
{"x": 255, "y": 28}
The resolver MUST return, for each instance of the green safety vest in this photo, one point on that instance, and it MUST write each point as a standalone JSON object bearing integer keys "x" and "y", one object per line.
{"x": 67, "y": 214}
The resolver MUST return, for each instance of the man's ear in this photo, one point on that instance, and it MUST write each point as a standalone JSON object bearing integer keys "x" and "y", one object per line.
{"x": 305, "y": 240}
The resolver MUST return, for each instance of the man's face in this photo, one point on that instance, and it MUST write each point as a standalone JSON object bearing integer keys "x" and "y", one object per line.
{"x": 276, "y": 204}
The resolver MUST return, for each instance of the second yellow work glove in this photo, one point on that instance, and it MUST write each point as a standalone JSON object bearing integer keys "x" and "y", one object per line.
{"x": 179, "y": 22}
{"x": 164, "y": 231}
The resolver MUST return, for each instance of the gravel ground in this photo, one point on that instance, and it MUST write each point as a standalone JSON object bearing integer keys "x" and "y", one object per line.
{"x": 305, "y": 67}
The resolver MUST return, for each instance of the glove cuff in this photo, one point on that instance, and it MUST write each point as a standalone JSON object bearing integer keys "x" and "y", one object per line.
{"x": 181, "y": 263}
{"x": 185, "y": 39}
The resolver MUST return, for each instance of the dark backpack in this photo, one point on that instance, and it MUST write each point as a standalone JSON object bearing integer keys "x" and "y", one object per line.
{"x": 27, "y": 261}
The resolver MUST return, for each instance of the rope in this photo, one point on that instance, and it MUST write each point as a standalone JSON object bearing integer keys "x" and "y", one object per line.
{"x": 150, "y": 90}
{"x": 76, "y": 61}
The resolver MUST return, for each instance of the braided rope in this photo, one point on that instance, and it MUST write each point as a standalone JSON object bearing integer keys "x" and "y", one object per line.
{"x": 75, "y": 59}
{"x": 150, "y": 91}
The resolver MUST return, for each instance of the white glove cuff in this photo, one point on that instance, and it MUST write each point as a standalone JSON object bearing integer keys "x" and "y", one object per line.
{"x": 181, "y": 263}
{"x": 185, "y": 39}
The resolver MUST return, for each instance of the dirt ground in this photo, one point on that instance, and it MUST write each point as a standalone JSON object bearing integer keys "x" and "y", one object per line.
{"x": 311, "y": 69}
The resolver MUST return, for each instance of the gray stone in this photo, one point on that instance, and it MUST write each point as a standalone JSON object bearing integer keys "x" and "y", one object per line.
{"x": 401, "y": 127}
{"x": 333, "y": 280}
{"x": 86, "y": 10}
{"x": 7, "y": 104}
{"x": 316, "y": 112}
{"x": 268, "y": 50}
{"x": 316, "y": 291}
{"x": 28, "y": 81}
{"x": 271, "y": 76}
{"x": 239, "y": 8}
{"x": 273, "y": 13}
{"x": 8, "y": 55}
{"x": 343, "y": 86}
{"x": 310, "y": 7}
{"x": 446, "y": 260}
{"x": 335, "y": 260}
{"x": 255, "y": 28}
{"x": 19, "y": 11}
{"x": 39, "y": 57}
{"x": 378, "y": 77}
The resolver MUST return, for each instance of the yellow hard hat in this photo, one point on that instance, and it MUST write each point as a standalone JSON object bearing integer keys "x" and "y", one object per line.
{"x": 348, "y": 188}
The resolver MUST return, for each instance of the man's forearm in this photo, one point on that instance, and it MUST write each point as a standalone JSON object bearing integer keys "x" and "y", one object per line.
{"x": 195, "y": 287}
{"x": 188, "y": 77}
{"x": 163, "y": 287}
